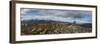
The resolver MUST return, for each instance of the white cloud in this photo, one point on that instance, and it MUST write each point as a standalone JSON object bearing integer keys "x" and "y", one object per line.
{"x": 56, "y": 15}
{"x": 50, "y": 17}
{"x": 24, "y": 11}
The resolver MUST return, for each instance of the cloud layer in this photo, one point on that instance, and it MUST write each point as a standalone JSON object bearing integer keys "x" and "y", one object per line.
{"x": 56, "y": 15}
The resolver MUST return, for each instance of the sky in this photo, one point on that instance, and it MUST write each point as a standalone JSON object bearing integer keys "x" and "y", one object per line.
{"x": 80, "y": 16}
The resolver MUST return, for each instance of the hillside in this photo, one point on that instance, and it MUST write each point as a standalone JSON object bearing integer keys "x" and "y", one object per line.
{"x": 52, "y": 27}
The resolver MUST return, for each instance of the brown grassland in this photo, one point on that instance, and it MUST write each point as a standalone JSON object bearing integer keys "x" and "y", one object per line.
{"x": 53, "y": 28}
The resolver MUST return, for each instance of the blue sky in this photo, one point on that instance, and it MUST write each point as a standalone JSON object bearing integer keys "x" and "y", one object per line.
{"x": 56, "y": 15}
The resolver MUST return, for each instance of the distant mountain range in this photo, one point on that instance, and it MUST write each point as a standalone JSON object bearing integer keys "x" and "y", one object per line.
{"x": 50, "y": 21}
{"x": 42, "y": 21}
